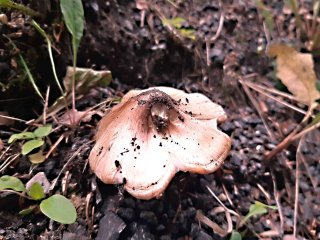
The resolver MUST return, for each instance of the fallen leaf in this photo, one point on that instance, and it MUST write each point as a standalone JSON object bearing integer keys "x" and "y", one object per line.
{"x": 296, "y": 71}
{"x": 37, "y": 158}
{"x": 74, "y": 117}
{"x": 86, "y": 79}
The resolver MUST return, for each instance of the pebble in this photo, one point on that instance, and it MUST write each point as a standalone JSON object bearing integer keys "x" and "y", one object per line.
{"x": 149, "y": 217}
{"x": 127, "y": 214}
{"x": 110, "y": 227}
{"x": 142, "y": 234}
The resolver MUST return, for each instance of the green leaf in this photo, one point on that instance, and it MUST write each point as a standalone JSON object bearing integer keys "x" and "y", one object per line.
{"x": 268, "y": 18}
{"x": 175, "y": 22}
{"x": 318, "y": 85}
{"x": 10, "y": 4}
{"x": 43, "y": 131}
{"x": 27, "y": 211}
{"x": 59, "y": 209}
{"x": 36, "y": 191}
{"x": 20, "y": 136}
{"x": 187, "y": 33}
{"x": 235, "y": 236}
{"x": 72, "y": 11}
{"x": 256, "y": 209}
{"x": 43, "y": 33}
{"x": 9, "y": 182}
{"x": 30, "y": 145}
{"x": 316, "y": 119}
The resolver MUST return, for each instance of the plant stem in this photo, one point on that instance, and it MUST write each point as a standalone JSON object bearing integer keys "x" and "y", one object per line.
{"x": 295, "y": 8}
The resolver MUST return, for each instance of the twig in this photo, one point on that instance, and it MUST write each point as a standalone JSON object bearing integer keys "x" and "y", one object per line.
{"x": 262, "y": 90}
{"x": 227, "y": 194}
{"x": 65, "y": 166}
{"x": 216, "y": 36}
{"x": 294, "y": 135}
{"x": 8, "y": 161}
{"x": 266, "y": 194}
{"x": 296, "y": 195}
{"x": 221, "y": 22}
{"x": 256, "y": 105}
{"x": 13, "y": 118}
{"x": 15, "y": 192}
{"x": 88, "y": 219}
{"x": 221, "y": 203}
{"x": 45, "y": 107}
{"x": 277, "y": 198}
{"x": 282, "y": 145}
{"x": 305, "y": 131}
{"x": 54, "y": 146}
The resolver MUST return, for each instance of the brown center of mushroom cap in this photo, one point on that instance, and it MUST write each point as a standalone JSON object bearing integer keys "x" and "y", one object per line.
{"x": 160, "y": 107}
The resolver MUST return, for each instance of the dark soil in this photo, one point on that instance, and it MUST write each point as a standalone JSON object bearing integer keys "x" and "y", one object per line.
{"x": 142, "y": 54}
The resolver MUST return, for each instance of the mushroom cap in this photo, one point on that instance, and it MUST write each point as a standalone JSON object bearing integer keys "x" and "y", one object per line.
{"x": 154, "y": 133}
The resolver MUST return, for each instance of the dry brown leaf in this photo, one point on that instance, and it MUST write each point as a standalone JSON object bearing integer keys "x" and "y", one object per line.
{"x": 37, "y": 158}
{"x": 296, "y": 71}
{"x": 73, "y": 117}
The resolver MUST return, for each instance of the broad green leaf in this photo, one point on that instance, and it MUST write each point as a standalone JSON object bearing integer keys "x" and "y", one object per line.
{"x": 43, "y": 131}
{"x": 30, "y": 145}
{"x": 36, "y": 191}
{"x": 37, "y": 158}
{"x": 235, "y": 236}
{"x": 27, "y": 211}
{"x": 20, "y": 136}
{"x": 59, "y": 209}
{"x": 256, "y": 209}
{"x": 72, "y": 11}
{"x": 9, "y": 182}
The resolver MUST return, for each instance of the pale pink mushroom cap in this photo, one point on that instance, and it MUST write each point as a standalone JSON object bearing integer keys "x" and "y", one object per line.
{"x": 154, "y": 133}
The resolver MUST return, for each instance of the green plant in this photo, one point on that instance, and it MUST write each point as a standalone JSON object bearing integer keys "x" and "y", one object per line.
{"x": 73, "y": 14}
{"x": 12, "y": 5}
{"x": 45, "y": 36}
{"x": 308, "y": 28}
{"x": 26, "y": 68}
{"x": 177, "y": 25}
{"x": 55, "y": 207}
{"x": 34, "y": 139}
{"x": 255, "y": 209}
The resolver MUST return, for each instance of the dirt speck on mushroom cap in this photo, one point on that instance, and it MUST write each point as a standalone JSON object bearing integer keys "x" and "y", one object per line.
{"x": 166, "y": 140}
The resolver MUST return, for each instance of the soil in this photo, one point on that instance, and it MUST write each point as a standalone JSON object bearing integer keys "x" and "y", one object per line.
{"x": 142, "y": 52}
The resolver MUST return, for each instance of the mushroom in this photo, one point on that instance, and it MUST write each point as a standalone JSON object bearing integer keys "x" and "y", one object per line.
{"x": 154, "y": 133}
